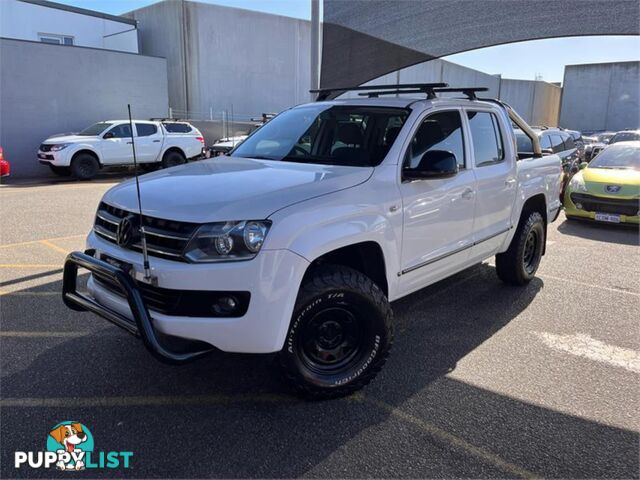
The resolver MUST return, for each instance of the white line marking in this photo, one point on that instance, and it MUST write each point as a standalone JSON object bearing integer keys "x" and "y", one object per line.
{"x": 15, "y": 333}
{"x": 584, "y": 346}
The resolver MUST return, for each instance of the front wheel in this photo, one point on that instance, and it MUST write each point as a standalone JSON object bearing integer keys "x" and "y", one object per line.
{"x": 340, "y": 334}
{"x": 518, "y": 265}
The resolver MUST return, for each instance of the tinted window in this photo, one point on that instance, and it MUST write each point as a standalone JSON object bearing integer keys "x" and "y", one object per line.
{"x": 545, "y": 142}
{"x": 622, "y": 155}
{"x": 524, "y": 143}
{"x": 121, "y": 131}
{"x": 556, "y": 143}
{"x": 177, "y": 127}
{"x": 146, "y": 129}
{"x": 440, "y": 131}
{"x": 569, "y": 143}
{"x": 321, "y": 133}
{"x": 486, "y": 138}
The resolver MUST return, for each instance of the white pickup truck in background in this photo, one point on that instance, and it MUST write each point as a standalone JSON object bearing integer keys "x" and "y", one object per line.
{"x": 108, "y": 143}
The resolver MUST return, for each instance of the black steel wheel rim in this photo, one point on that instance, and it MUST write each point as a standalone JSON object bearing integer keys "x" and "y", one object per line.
{"x": 332, "y": 340}
{"x": 530, "y": 251}
{"x": 86, "y": 167}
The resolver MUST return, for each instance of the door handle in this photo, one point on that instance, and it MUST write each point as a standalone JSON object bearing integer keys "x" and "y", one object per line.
{"x": 156, "y": 141}
{"x": 467, "y": 194}
{"x": 129, "y": 143}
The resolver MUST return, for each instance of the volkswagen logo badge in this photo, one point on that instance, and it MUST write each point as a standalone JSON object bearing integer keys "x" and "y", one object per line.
{"x": 613, "y": 188}
{"x": 127, "y": 231}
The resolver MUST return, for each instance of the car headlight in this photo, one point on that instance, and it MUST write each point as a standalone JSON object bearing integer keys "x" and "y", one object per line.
{"x": 59, "y": 146}
{"x": 577, "y": 184}
{"x": 227, "y": 241}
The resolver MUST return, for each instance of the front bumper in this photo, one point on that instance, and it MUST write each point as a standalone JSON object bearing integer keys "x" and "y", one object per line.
{"x": 272, "y": 279}
{"x": 58, "y": 159}
{"x": 571, "y": 210}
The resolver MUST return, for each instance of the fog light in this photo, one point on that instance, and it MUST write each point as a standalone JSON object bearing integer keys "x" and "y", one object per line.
{"x": 225, "y": 305}
{"x": 579, "y": 206}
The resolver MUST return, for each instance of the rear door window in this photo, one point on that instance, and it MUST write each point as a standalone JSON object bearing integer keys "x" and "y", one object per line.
{"x": 556, "y": 143}
{"x": 569, "y": 143}
{"x": 146, "y": 129}
{"x": 486, "y": 137}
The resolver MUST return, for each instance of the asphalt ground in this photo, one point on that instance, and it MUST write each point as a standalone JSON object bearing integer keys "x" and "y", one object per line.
{"x": 484, "y": 380}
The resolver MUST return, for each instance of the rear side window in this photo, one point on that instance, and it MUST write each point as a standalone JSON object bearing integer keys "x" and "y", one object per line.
{"x": 146, "y": 129}
{"x": 486, "y": 137}
{"x": 177, "y": 127}
{"x": 121, "y": 131}
{"x": 556, "y": 143}
{"x": 545, "y": 142}
{"x": 440, "y": 131}
{"x": 569, "y": 143}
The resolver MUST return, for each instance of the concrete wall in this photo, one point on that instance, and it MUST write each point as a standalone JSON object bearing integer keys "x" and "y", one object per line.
{"x": 537, "y": 102}
{"x": 25, "y": 21}
{"x": 64, "y": 89}
{"x": 604, "y": 96}
{"x": 223, "y": 58}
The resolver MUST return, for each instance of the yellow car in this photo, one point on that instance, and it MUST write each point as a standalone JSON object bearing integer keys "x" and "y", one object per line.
{"x": 607, "y": 189}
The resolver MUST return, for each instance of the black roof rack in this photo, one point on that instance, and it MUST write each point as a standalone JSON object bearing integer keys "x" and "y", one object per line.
{"x": 324, "y": 93}
{"x": 470, "y": 92}
{"x": 162, "y": 119}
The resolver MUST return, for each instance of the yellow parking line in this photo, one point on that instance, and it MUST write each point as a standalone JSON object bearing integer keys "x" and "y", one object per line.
{"x": 53, "y": 246}
{"x": 31, "y": 242}
{"x": 454, "y": 441}
{"x": 142, "y": 401}
{"x": 42, "y": 334}
{"x": 30, "y": 265}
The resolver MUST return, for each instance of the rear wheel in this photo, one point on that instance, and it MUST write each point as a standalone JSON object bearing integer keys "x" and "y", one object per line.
{"x": 172, "y": 158}
{"x": 518, "y": 265}
{"x": 61, "y": 171}
{"x": 340, "y": 334}
{"x": 84, "y": 166}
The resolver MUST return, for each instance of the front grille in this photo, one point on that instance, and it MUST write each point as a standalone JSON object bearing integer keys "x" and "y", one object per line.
{"x": 188, "y": 303}
{"x": 165, "y": 238}
{"x": 618, "y": 206}
{"x": 45, "y": 148}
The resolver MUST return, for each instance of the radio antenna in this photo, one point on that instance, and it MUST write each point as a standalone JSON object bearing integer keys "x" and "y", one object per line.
{"x": 143, "y": 237}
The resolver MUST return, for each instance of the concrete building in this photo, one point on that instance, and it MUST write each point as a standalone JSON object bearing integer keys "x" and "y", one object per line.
{"x": 227, "y": 59}
{"x": 49, "y": 22}
{"x": 602, "y": 96}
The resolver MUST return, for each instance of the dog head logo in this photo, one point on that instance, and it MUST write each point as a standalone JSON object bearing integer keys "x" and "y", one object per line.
{"x": 70, "y": 440}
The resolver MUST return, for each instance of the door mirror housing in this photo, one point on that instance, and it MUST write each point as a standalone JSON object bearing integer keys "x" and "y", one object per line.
{"x": 108, "y": 135}
{"x": 433, "y": 164}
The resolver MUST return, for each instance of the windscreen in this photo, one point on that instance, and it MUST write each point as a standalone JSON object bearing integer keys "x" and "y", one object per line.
{"x": 625, "y": 137}
{"x": 618, "y": 156}
{"x": 95, "y": 129}
{"x": 334, "y": 135}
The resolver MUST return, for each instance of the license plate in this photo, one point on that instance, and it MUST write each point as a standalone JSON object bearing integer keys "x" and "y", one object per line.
{"x": 607, "y": 217}
{"x": 124, "y": 266}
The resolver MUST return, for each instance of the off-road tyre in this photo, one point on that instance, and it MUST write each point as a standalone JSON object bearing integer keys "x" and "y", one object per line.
{"x": 172, "y": 158}
{"x": 518, "y": 265}
{"x": 336, "y": 307}
{"x": 84, "y": 166}
{"x": 61, "y": 171}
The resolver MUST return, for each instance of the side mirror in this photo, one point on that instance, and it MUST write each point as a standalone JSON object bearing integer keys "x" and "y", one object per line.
{"x": 547, "y": 151}
{"x": 583, "y": 165}
{"x": 108, "y": 135}
{"x": 433, "y": 164}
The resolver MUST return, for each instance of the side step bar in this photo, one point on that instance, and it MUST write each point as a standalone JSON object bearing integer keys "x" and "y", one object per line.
{"x": 142, "y": 326}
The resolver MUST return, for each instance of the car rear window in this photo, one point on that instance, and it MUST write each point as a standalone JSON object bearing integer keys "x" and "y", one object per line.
{"x": 174, "y": 127}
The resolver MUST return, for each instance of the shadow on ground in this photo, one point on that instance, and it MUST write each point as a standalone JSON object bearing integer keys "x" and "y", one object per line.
{"x": 622, "y": 234}
{"x": 246, "y": 424}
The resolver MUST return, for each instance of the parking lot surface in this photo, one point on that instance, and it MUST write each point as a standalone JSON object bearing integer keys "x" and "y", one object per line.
{"x": 484, "y": 380}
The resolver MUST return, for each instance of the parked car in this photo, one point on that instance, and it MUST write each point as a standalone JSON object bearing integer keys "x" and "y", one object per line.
{"x": 552, "y": 140}
{"x": 108, "y": 144}
{"x": 608, "y": 188}
{"x": 5, "y": 166}
{"x": 224, "y": 145}
{"x": 299, "y": 240}
{"x": 601, "y": 141}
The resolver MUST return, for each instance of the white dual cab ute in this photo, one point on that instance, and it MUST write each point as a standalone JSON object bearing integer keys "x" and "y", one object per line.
{"x": 105, "y": 144}
{"x": 299, "y": 240}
